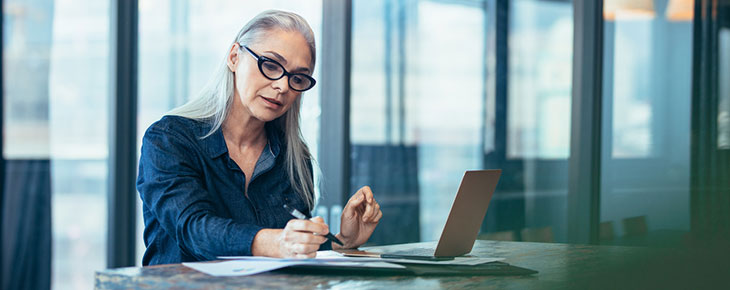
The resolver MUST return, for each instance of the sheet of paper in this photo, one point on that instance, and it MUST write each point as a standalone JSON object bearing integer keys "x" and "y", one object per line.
{"x": 237, "y": 267}
{"x": 322, "y": 256}
{"x": 248, "y": 265}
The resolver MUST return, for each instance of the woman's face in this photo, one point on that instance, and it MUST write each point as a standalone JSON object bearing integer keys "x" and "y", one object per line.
{"x": 260, "y": 97}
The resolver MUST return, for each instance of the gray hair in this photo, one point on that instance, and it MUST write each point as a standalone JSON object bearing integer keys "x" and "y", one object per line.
{"x": 214, "y": 101}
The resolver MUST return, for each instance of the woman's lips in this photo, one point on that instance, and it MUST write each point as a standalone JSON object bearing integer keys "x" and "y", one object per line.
{"x": 272, "y": 102}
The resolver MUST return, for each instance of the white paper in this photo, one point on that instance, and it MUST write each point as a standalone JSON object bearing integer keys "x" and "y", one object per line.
{"x": 248, "y": 265}
{"x": 321, "y": 257}
{"x": 237, "y": 267}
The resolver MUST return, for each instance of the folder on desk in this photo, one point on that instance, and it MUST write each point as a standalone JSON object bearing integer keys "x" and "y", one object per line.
{"x": 488, "y": 269}
{"x": 470, "y": 266}
{"x": 330, "y": 262}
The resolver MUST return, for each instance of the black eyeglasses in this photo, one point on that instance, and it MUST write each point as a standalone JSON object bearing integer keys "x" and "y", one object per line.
{"x": 273, "y": 70}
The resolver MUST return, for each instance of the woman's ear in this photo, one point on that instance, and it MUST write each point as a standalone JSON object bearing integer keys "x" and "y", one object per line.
{"x": 232, "y": 59}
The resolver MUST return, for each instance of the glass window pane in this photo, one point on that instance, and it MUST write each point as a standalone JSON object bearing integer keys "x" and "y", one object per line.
{"x": 425, "y": 108}
{"x": 56, "y": 57}
{"x": 723, "y": 114}
{"x": 540, "y": 72}
{"x": 416, "y": 109}
{"x": 532, "y": 200}
{"x": 647, "y": 82}
{"x": 183, "y": 42}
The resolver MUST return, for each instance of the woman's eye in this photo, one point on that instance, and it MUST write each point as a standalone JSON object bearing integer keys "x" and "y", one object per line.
{"x": 271, "y": 66}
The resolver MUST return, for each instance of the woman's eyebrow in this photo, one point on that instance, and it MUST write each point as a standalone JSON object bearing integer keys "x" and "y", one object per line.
{"x": 278, "y": 57}
{"x": 282, "y": 60}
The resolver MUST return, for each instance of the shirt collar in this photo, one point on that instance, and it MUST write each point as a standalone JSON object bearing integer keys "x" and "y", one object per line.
{"x": 215, "y": 144}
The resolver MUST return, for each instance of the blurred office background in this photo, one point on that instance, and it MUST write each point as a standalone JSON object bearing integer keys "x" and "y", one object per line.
{"x": 434, "y": 88}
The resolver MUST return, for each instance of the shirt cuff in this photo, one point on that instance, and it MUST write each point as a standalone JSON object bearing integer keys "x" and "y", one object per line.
{"x": 245, "y": 239}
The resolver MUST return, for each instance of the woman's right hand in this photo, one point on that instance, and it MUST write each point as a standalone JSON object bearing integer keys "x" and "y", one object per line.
{"x": 299, "y": 239}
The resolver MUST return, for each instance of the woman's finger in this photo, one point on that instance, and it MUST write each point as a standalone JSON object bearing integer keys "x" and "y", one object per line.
{"x": 367, "y": 193}
{"x": 351, "y": 209}
{"x": 304, "y": 248}
{"x": 378, "y": 216}
{"x": 291, "y": 234}
{"x": 306, "y": 256}
{"x": 355, "y": 200}
{"x": 307, "y": 226}
{"x": 318, "y": 219}
{"x": 376, "y": 211}
{"x": 369, "y": 211}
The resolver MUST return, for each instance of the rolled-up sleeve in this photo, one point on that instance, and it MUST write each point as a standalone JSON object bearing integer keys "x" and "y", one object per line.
{"x": 171, "y": 186}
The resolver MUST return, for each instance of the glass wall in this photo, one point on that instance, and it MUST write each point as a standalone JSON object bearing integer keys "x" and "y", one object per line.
{"x": 428, "y": 102}
{"x": 56, "y": 80}
{"x": 534, "y": 150}
{"x": 416, "y": 109}
{"x": 723, "y": 115}
{"x": 646, "y": 128}
{"x": 182, "y": 42}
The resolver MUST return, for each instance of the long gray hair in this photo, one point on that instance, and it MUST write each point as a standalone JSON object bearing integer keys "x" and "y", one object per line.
{"x": 215, "y": 99}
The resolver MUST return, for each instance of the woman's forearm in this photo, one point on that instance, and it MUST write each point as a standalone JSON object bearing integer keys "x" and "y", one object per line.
{"x": 266, "y": 243}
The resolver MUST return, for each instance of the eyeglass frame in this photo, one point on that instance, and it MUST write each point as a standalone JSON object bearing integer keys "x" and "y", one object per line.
{"x": 260, "y": 61}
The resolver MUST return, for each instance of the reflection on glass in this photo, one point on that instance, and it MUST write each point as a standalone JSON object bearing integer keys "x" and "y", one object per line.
{"x": 182, "y": 42}
{"x": 723, "y": 92}
{"x": 540, "y": 66}
{"x": 646, "y": 133}
{"x": 632, "y": 88}
{"x": 416, "y": 109}
{"x": 531, "y": 200}
{"x": 419, "y": 121}
{"x": 445, "y": 100}
{"x": 57, "y": 93}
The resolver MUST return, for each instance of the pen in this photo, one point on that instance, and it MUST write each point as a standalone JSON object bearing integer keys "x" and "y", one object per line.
{"x": 300, "y": 215}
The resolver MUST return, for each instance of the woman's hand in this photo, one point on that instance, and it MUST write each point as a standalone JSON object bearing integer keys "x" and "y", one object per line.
{"x": 299, "y": 239}
{"x": 359, "y": 219}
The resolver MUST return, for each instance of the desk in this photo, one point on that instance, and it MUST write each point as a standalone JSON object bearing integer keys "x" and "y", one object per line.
{"x": 560, "y": 266}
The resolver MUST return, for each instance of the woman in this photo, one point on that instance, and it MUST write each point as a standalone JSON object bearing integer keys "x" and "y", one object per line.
{"x": 215, "y": 173}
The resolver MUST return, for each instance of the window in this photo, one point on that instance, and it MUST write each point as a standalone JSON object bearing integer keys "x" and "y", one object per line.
{"x": 425, "y": 107}
{"x": 647, "y": 80}
{"x": 540, "y": 71}
{"x": 56, "y": 57}
{"x": 416, "y": 109}
{"x": 723, "y": 115}
{"x": 533, "y": 110}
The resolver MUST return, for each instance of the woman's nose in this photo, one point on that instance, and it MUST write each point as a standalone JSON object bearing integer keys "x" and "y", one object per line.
{"x": 282, "y": 84}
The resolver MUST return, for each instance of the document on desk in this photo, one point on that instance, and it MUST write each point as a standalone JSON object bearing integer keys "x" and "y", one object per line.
{"x": 333, "y": 256}
{"x": 237, "y": 267}
{"x": 248, "y": 265}
{"x": 467, "y": 261}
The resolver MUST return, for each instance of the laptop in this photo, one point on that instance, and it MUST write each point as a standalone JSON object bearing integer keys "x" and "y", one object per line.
{"x": 462, "y": 226}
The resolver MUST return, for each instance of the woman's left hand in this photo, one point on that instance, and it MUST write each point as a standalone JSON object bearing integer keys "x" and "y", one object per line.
{"x": 359, "y": 218}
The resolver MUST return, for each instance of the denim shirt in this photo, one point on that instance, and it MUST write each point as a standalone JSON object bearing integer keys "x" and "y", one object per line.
{"x": 193, "y": 197}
